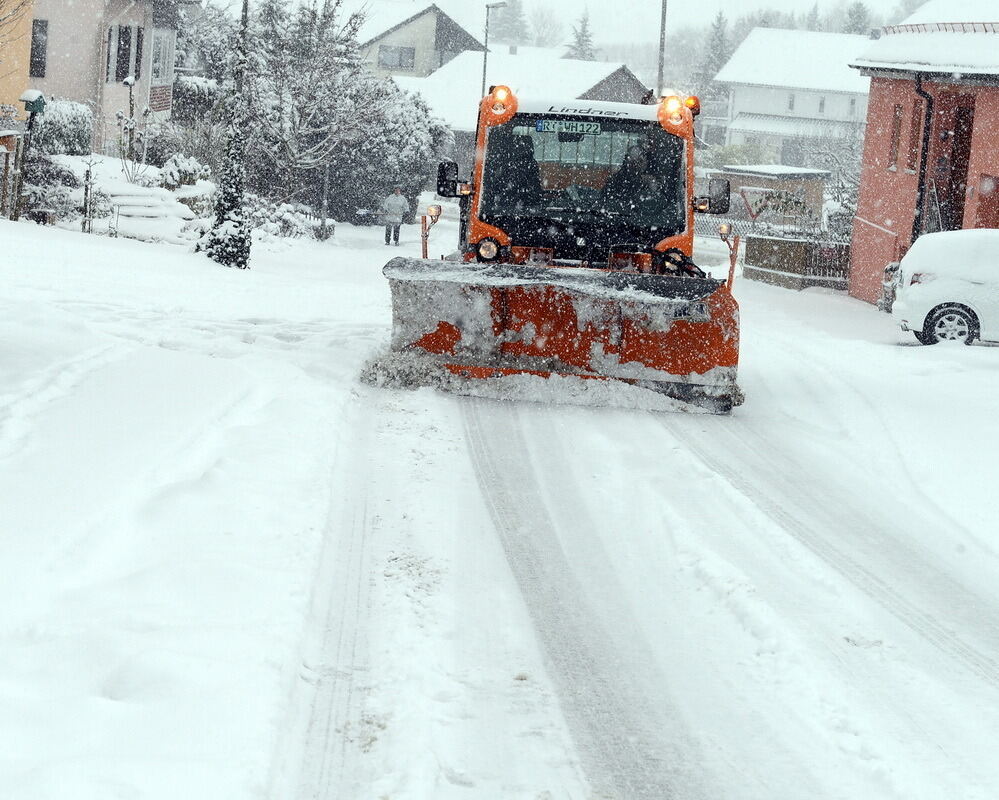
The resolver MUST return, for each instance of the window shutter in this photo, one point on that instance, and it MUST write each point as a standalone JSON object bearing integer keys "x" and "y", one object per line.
{"x": 139, "y": 35}
{"x": 111, "y": 55}
{"x": 124, "y": 59}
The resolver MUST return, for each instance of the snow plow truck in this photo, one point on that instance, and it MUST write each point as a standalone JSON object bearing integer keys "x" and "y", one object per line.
{"x": 575, "y": 257}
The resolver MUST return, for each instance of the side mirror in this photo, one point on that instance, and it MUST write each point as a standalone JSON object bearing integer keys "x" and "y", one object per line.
{"x": 447, "y": 179}
{"x": 719, "y": 196}
{"x": 718, "y": 200}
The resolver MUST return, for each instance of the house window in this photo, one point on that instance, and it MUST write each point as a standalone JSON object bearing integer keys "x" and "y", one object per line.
{"x": 39, "y": 47}
{"x": 125, "y": 47}
{"x": 790, "y": 102}
{"x": 161, "y": 70}
{"x": 896, "y": 136}
{"x": 915, "y": 129}
{"x": 396, "y": 57}
{"x": 822, "y": 105}
{"x": 853, "y": 106}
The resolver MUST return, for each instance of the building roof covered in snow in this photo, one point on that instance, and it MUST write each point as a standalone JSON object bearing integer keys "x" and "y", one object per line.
{"x": 453, "y": 92}
{"x": 383, "y": 16}
{"x": 958, "y": 37}
{"x": 795, "y": 59}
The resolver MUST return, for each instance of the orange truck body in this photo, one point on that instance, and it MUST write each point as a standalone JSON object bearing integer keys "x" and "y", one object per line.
{"x": 641, "y": 314}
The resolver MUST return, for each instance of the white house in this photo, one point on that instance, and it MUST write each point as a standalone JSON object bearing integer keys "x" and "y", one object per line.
{"x": 414, "y": 37}
{"x": 786, "y": 86}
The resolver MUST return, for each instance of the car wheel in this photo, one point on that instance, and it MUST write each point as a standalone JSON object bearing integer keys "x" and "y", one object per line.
{"x": 949, "y": 323}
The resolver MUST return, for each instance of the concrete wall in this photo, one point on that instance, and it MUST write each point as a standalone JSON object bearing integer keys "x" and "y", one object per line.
{"x": 882, "y": 230}
{"x": 15, "y": 50}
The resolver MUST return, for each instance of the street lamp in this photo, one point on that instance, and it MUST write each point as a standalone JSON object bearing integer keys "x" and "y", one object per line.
{"x": 662, "y": 53}
{"x": 485, "y": 54}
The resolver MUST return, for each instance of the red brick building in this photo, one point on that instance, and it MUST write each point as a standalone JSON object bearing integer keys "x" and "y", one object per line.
{"x": 931, "y": 151}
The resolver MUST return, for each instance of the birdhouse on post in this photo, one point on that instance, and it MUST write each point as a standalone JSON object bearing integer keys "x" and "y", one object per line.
{"x": 34, "y": 101}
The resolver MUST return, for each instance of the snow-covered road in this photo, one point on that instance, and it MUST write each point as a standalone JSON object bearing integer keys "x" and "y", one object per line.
{"x": 233, "y": 570}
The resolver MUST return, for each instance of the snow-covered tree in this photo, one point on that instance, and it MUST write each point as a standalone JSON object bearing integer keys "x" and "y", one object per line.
{"x": 228, "y": 241}
{"x": 307, "y": 87}
{"x": 11, "y": 12}
{"x": 858, "y": 19}
{"x": 813, "y": 22}
{"x": 904, "y": 9}
{"x": 581, "y": 47}
{"x": 762, "y": 18}
{"x": 546, "y": 27}
{"x": 511, "y": 24}
{"x": 204, "y": 40}
{"x": 401, "y": 149}
{"x": 716, "y": 51}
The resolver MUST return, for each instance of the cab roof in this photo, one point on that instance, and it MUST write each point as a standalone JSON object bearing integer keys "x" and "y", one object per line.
{"x": 586, "y": 108}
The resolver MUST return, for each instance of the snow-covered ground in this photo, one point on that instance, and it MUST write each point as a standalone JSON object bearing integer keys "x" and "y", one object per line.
{"x": 230, "y": 569}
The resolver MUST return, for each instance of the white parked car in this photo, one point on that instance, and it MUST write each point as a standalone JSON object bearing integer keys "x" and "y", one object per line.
{"x": 947, "y": 287}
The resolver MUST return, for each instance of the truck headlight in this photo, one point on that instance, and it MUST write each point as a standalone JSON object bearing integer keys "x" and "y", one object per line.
{"x": 487, "y": 250}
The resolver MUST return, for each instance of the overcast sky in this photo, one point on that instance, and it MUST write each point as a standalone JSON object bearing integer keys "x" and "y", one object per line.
{"x": 638, "y": 20}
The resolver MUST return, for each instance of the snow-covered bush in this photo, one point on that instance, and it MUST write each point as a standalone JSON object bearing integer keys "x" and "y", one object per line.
{"x": 66, "y": 128}
{"x": 158, "y": 142}
{"x": 285, "y": 220}
{"x": 49, "y": 185}
{"x": 194, "y": 97}
{"x": 181, "y": 170}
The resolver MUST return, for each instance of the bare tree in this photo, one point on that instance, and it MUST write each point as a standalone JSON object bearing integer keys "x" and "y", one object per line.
{"x": 11, "y": 12}
{"x": 547, "y": 29}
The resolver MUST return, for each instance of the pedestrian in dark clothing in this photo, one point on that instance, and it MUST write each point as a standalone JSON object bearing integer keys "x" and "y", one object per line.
{"x": 394, "y": 208}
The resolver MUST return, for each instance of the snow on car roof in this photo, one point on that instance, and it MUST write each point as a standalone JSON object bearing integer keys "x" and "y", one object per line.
{"x": 453, "y": 92}
{"x": 968, "y": 253}
{"x": 949, "y": 36}
{"x": 797, "y": 60}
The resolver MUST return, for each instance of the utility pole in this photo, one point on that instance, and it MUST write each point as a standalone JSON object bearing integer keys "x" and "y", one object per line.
{"x": 662, "y": 54}
{"x": 485, "y": 55}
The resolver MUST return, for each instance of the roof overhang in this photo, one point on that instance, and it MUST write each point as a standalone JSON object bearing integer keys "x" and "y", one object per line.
{"x": 794, "y": 127}
{"x": 933, "y": 74}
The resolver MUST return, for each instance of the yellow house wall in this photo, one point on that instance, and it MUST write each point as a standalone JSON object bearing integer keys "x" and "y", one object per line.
{"x": 15, "y": 51}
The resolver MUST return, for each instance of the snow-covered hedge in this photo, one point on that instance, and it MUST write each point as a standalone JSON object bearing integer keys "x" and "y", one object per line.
{"x": 66, "y": 128}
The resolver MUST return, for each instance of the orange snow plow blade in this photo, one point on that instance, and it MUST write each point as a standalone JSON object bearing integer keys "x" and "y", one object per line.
{"x": 675, "y": 336}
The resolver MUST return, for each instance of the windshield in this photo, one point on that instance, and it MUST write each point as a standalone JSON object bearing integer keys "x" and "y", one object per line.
{"x": 627, "y": 171}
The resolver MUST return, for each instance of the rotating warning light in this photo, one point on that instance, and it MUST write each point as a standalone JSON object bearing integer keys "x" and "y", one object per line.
{"x": 672, "y": 108}
{"x": 501, "y": 99}
{"x": 694, "y": 104}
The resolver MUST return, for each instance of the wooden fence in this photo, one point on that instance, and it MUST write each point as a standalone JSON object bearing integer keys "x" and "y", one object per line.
{"x": 797, "y": 263}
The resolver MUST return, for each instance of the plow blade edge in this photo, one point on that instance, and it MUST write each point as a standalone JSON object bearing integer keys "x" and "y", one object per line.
{"x": 676, "y": 336}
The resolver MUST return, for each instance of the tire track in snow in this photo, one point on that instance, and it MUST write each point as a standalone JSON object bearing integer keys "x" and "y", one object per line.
{"x": 627, "y": 742}
{"x": 814, "y": 516}
{"x": 333, "y": 704}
